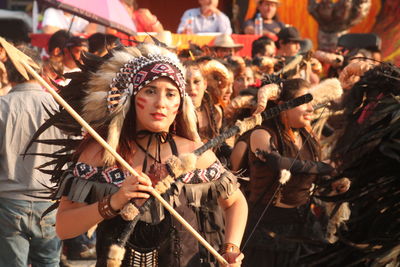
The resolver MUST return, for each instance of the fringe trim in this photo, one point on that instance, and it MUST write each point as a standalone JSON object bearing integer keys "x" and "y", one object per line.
{"x": 86, "y": 191}
{"x": 82, "y": 190}
{"x": 199, "y": 195}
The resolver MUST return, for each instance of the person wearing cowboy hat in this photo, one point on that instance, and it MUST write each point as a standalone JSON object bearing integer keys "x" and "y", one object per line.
{"x": 166, "y": 38}
{"x": 271, "y": 23}
{"x": 289, "y": 41}
{"x": 224, "y": 46}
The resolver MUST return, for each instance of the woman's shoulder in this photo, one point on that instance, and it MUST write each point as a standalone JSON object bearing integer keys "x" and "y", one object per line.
{"x": 92, "y": 154}
{"x": 260, "y": 139}
{"x": 260, "y": 131}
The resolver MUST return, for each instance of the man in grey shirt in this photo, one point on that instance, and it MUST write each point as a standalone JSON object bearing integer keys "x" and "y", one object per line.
{"x": 25, "y": 237}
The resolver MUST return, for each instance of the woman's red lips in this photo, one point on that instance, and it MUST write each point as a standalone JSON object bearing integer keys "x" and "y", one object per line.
{"x": 158, "y": 116}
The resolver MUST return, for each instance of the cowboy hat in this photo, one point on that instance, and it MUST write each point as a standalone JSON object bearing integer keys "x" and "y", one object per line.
{"x": 289, "y": 34}
{"x": 225, "y": 41}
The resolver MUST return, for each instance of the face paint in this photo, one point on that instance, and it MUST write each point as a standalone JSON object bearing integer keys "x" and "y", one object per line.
{"x": 141, "y": 102}
{"x": 177, "y": 108}
{"x": 162, "y": 100}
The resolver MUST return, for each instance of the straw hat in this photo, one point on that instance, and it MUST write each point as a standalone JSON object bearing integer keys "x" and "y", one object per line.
{"x": 166, "y": 38}
{"x": 225, "y": 41}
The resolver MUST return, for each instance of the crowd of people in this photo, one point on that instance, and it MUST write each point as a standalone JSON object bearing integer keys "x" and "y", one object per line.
{"x": 262, "y": 197}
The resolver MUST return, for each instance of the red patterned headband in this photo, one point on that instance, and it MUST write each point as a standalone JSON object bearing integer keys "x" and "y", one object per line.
{"x": 157, "y": 70}
{"x": 139, "y": 72}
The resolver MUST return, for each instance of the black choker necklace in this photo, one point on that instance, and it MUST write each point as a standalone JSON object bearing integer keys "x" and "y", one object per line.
{"x": 157, "y": 170}
{"x": 161, "y": 137}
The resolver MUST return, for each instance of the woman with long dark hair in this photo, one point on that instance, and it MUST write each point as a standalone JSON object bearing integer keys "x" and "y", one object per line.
{"x": 281, "y": 225}
{"x": 136, "y": 99}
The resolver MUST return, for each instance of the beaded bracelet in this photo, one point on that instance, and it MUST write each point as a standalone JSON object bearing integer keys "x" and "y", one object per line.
{"x": 105, "y": 209}
{"x": 229, "y": 247}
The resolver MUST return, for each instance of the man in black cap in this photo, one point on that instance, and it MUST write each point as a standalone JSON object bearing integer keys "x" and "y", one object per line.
{"x": 73, "y": 49}
{"x": 63, "y": 48}
{"x": 288, "y": 43}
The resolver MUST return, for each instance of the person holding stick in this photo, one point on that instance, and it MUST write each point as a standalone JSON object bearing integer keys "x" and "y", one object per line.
{"x": 136, "y": 99}
{"x": 281, "y": 225}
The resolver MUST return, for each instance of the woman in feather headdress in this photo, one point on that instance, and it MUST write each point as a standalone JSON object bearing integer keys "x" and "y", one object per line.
{"x": 136, "y": 99}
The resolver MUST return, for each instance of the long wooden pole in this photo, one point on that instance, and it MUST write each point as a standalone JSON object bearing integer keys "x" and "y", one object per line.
{"x": 125, "y": 164}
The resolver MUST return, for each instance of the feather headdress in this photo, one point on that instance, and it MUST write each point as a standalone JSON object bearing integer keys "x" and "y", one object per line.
{"x": 103, "y": 91}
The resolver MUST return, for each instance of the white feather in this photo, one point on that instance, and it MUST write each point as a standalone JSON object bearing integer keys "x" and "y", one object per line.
{"x": 285, "y": 176}
{"x": 95, "y": 106}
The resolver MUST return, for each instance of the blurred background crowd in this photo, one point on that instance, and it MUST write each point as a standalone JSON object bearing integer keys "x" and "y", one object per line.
{"x": 227, "y": 46}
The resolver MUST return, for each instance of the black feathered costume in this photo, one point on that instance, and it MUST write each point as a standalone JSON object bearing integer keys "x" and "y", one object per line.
{"x": 369, "y": 154}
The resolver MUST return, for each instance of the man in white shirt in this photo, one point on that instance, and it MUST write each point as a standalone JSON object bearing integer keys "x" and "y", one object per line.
{"x": 27, "y": 233}
{"x": 206, "y": 18}
{"x": 56, "y": 19}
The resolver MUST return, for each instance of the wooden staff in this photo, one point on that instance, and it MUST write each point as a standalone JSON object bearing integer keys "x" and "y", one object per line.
{"x": 21, "y": 60}
{"x": 240, "y": 127}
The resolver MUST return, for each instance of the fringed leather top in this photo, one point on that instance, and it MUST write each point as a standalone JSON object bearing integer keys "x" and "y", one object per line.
{"x": 157, "y": 235}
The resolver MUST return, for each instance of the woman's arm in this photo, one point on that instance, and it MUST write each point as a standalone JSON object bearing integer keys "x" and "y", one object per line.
{"x": 235, "y": 209}
{"x": 75, "y": 218}
{"x": 237, "y": 155}
{"x": 235, "y": 206}
{"x": 151, "y": 22}
{"x": 261, "y": 147}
